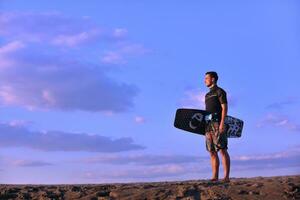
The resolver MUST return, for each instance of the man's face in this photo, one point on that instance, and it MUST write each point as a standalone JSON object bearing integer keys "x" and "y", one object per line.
{"x": 208, "y": 80}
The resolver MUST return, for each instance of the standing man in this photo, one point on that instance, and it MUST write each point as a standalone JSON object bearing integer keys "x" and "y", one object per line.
{"x": 215, "y": 131}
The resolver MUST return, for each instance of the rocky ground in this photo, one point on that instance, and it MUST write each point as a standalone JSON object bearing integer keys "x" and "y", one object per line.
{"x": 273, "y": 188}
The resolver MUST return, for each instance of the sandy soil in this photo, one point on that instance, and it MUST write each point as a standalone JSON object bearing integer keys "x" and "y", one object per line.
{"x": 273, "y": 188}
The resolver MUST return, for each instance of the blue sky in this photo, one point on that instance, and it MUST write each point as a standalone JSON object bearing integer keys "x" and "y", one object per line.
{"x": 88, "y": 92}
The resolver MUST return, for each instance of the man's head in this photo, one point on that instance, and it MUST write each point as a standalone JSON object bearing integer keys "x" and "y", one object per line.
{"x": 211, "y": 77}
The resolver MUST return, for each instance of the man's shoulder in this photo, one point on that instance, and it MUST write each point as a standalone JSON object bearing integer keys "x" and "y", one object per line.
{"x": 220, "y": 90}
{"x": 217, "y": 90}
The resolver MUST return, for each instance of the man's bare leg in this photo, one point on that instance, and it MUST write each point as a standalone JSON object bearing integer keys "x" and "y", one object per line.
{"x": 215, "y": 165}
{"x": 225, "y": 163}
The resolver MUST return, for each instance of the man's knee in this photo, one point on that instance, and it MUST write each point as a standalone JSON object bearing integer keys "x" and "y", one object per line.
{"x": 223, "y": 151}
{"x": 213, "y": 153}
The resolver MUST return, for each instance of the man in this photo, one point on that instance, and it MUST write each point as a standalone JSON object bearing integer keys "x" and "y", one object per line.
{"x": 215, "y": 131}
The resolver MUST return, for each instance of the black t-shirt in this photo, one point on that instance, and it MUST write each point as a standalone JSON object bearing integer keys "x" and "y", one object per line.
{"x": 213, "y": 100}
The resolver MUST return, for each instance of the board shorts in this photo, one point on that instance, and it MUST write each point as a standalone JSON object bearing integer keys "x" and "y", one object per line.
{"x": 214, "y": 140}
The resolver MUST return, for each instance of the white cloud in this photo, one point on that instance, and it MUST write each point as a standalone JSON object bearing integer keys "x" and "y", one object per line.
{"x": 122, "y": 52}
{"x": 120, "y": 32}
{"x": 193, "y": 98}
{"x": 75, "y": 39}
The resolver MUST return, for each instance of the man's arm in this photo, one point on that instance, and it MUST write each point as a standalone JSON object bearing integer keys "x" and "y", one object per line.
{"x": 223, "y": 102}
{"x": 224, "y": 112}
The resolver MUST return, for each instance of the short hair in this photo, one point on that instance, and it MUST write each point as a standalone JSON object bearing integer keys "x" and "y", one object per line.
{"x": 213, "y": 75}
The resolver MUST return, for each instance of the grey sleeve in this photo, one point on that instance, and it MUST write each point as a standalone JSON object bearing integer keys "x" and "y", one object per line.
{"x": 222, "y": 96}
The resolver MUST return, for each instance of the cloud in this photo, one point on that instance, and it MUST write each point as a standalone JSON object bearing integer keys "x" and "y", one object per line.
{"x": 142, "y": 159}
{"x": 120, "y": 32}
{"x": 6, "y": 53}
{"x": 123, "y": 52}
{"x": 195, "y": 98}
{"x": 48, "y": 75}
{"x": 282, "y": 159}
{"x": 279, "y": 120}
{"x": 30, "y": 163}
{"x": 149, "y": 172}
{"x": 20, "y": 122}
{"x": 281, "y": 104}
{"x": 37, "y": 80}
{"x": 55, "y": 28}
{"x": 148, "y": 166}
{"x": 139, "y": 119}
{"x": 290, "y": 157}
{"x": 20, "y": 136}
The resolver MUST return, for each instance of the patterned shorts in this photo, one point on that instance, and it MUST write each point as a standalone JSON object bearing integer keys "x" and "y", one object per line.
{"x": 215, "y": 140}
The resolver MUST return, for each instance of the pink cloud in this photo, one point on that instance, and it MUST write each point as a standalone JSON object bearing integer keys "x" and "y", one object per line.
{"x": 142, "y": 159}
{"x": 55, "y": 28}
{"x": 279, "y": 120}
{"x": 30, "y": 163}
{"x": 12, "y": 135}
{"x": 122, "y": 52}
{"x": 195, "y": 98}
{"x": 74, "y": 39}
{"x": 7, "y": 51}
{"x": 120, "y": 32}
{"x": 48, "y": 81}
{"x": 11, "y": 47}
{"x": 112, "y": 57}
{"x": 139, "y": 119}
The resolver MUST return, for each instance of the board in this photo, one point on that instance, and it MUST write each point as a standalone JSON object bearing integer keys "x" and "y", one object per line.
{"x": 195, "y": 121}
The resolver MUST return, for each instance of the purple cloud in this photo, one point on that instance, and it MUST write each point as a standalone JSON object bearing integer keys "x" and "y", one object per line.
{"x": 55, "y": 28}
{"x": 57, "y": 78}
{"x": 176, "y": 165}
{"x": 282, "y": 159}
{"x": 151, "y": 172}
{"x": 195, "y": 98}
{"x": 279, "y": 120}
{"x": 139, "y": 119}
{"x": 142, "y": 159}
{"x": 123, "y": 52}
{"x": 58, "y": 82}
{"x": 281, "y": 104}
{"x": 20, "y": 136}
{"x": 30, "y": 163}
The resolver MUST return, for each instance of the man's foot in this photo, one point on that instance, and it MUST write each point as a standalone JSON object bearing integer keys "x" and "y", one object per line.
{"x": 213, "y": 179}
{"x": 225, "y": 180}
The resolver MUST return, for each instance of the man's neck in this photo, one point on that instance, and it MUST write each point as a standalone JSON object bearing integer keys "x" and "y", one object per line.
{"x": 212, "y": 85}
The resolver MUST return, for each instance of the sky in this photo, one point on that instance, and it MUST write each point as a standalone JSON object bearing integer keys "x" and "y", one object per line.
{"x": 89, "y": 91}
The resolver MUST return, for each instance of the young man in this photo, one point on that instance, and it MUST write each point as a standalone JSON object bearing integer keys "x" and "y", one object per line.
{"x": 215, "y": 133}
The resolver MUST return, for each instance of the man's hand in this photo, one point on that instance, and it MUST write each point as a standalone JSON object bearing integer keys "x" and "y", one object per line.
{"x": 221, "y": 127}
{"x": 224, "y": 113}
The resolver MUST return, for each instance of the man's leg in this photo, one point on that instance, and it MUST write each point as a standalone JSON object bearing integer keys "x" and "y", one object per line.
{"x": 225, "y": 163}
{"x": 215, "y": 163}
{"x": 214, "y": 159}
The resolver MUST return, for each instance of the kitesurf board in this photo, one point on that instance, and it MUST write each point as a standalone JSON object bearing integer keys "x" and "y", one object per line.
{"x": 195, "y": 121}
